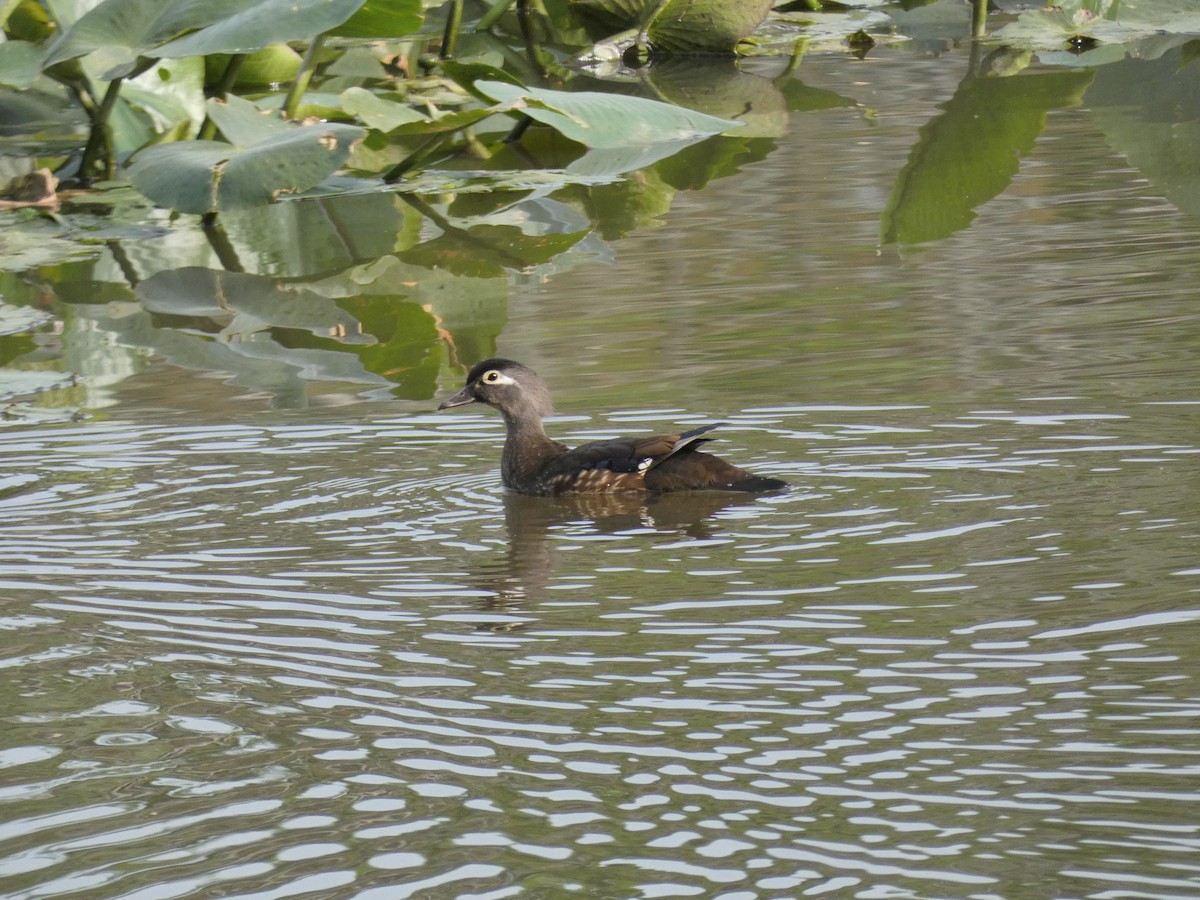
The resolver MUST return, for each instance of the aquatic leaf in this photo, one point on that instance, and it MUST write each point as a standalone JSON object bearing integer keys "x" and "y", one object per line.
{"x": 382, "y": 19}
{"x": 1103, "y": 21}
{"x": 379, "y": 111}
{"x": 489, "y": 251}
{"x": 613, "y": 14}
{"x": 20, "y": 63}
{"x": 55, "y": 122}
{"x": 169, "y": 92}
{"x": 970, "y": 152}
{"x": 179, "y": 16}
{"x": 206, "y": 176}
{"x": 606, "y": 120}
{"x": 115, "y": 33}
{"x": 273, "y": 64}
{"x": 455, "y": 121}
{"x": 704, "y": 26}
{"x": 466, "y": 74}
{"x": 245, "y": 124}
{"x": 608, "y": 162}
{"x": 261, "y": 23}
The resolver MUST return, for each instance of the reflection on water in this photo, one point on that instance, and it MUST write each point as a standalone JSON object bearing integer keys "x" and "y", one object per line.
{"x": 330, "y": 660}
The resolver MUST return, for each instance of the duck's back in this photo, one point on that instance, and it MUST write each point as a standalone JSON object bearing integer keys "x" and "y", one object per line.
{"x": 667, "y": 462}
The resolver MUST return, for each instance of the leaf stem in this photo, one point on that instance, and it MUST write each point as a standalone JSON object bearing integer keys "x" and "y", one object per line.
{"x": 228, "y": 78}
{"x": 979, "y": 19}
{"x": 300, "y": 83}
{"x": 518, "y": 130}
{"x": 450, "y": 35}
{"x": 492, "y": 16}
{"x": 98, "y": 140}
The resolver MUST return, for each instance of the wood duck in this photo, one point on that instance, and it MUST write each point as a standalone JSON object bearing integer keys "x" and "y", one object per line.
{"x": 533, "y": 463}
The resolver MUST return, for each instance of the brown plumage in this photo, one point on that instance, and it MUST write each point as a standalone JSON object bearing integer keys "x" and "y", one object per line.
{"x": 533, "y": 463}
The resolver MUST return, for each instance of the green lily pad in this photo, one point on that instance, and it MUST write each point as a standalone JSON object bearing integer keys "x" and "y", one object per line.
{"x": 245, "y": 124}
{"x": 171, "y": 91}
{"x": 489, "y": 251}
{"x": 261, "y": 23}
{"x": 207, "y": 176}
{"x": 606, "y": 120}
{"x": 382, "y": 19}
{"x": 273, "y": 64}
{"x": 1099, "y": 21}
{"x": 114, "y": 33}
{"x": 704, "y": 26}
{"x": 378, "y": 111}
{"x": 20, "y": 63}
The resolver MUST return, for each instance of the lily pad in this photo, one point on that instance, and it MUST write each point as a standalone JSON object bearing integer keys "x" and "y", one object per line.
{"x": 245, "y": 124}
{"x": 260, "y": 23}
{"x": 607, "y": 120}
{"x": 377, "y": 19}
{"x": 704, "y": 26}
{"x": 379, "y": 112}
{"x": 206, "y": 176}
{"x": 170, "y": 92}
{"x": 1070, "y": 22}
{"x": 489, "y": 251}
{"x": 20, "y": 63}
{"x": 113, "y": 33}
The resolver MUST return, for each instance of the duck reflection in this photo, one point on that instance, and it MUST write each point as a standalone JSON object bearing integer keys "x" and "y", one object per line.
{"x": 526, "y": 570}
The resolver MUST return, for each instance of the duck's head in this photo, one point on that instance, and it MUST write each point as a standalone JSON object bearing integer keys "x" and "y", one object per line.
{"x": 515, "y": 390}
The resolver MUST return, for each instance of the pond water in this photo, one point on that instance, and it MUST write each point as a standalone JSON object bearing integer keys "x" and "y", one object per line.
{"x": 291, "y": 638}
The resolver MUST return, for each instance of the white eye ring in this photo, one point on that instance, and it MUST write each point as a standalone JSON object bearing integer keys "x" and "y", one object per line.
{"x": 491, "y": 376}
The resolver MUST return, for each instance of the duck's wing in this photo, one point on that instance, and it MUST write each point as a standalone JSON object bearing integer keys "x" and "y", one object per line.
{"x": 619, "y": 464}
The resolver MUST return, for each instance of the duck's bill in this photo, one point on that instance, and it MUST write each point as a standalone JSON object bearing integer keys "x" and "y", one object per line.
{"x": 462, "y": 398}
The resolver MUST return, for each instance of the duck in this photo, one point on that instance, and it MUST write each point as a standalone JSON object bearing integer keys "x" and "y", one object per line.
{"x": 534, "y": 463}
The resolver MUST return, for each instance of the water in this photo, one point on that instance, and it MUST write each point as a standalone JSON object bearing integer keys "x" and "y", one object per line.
{"x": 266, "y": 649}
{"x": 339, "y": 661}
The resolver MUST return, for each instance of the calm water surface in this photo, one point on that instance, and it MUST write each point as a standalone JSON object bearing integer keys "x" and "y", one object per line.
{"x": 260, "y": 653}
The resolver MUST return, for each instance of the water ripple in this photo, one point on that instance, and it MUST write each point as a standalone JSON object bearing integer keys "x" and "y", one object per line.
{"x": 264, "y": 661}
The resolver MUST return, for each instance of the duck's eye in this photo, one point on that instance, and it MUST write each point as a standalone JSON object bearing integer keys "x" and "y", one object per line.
{"x": 491, "y": 376}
